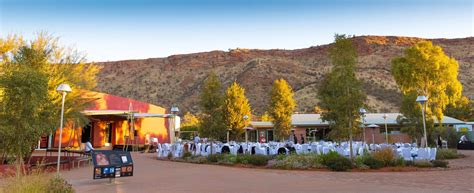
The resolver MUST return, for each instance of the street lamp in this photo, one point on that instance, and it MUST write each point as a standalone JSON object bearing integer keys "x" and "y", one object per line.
{"x": 362, "y": 112}
{"x": 174, "y": 111}
{"x": 385, "y": 116}
{"x": 246, "y": 117}
{"x": 373, "y": 127}
{"x": 422, "y": 100}
{"x": 63, "y": 89}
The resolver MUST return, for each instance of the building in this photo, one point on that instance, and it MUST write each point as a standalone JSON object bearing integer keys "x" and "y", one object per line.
{"x": 312, "y": 127}
{"x": 110, "y": 125}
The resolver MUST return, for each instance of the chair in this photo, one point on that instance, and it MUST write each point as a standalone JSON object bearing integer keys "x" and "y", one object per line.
{"x": 433, "y": 154}
{"x": 406, "y": 154}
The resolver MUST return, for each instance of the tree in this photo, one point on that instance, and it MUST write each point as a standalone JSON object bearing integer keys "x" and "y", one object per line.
{"x": 190, "y": 123}
{"x": 38, "y": 57}
{"x": 266, "y": 117}
{"x": 463, "y": 109}
{"x": 424, "y": 69}
{"x": 281, "y": 109}
{"x": 25, "y": 105}
{"x": 341, "y": 93}
{"x": 236, "y": 106}
{"x": 211, "y": 102}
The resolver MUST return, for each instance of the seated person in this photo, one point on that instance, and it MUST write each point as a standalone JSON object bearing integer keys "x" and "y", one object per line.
{"x": 464, "y": 139}
{"x": 88, "y": 147}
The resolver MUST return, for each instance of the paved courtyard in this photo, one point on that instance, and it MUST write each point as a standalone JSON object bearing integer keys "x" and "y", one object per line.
{"x": 152, "y": 175}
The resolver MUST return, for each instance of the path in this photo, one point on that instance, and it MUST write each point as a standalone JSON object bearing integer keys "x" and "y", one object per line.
{"x": 152, "y": 175}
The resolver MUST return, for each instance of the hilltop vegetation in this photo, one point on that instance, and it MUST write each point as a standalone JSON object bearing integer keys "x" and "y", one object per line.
{"x": 178, "y": 79}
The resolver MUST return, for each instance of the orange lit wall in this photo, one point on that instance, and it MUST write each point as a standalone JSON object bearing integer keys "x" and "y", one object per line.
{"x": 156, "y": 127}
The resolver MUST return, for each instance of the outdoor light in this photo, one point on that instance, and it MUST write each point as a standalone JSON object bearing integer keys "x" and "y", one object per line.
{"x": 362, "y": 112}
{"x": 422, "y": 100}
{"x": 63, "y": 89}
{"x": 373, "y": 127}
{"x": 385, "y": 116}
{"x": 174, "y": 110}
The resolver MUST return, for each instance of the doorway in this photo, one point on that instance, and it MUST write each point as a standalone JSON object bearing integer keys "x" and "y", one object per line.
{"x": 87, "y": 133}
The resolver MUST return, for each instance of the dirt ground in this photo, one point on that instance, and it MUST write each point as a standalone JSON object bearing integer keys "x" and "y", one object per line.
{"x": 152, "y": 175}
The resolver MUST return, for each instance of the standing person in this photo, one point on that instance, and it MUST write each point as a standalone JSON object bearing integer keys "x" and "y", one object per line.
{"x": 197, "y": 139}
{"x": 302, "y": 139}
{"x": 440, "y": 141}
{"x": 295, "y": 139}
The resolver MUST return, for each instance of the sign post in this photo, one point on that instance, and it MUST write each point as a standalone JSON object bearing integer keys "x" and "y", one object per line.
{"x": 112, "y": 164}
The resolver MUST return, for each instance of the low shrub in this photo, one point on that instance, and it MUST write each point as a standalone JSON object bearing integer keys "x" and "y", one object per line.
{"x": 443, "y": 154}
{"x": 385, "y": 156}
{"x": 214, "y": 158}
{"x": 422, "y": 164}
{"x": 256, "y": 160}
{"x": 38, "y": 182}
{"x": 339, "y": 163}
{"x": 187, "y": 155}
{"x": 306, "y": 161}
{"x": 325, "y": 158}
{"x": 373, "y": 163}
{"x": 398, "y": 162}
{"x": 197, "y": 159}
{"x": 59, "y": 185}
{"x": 439, "y": 163}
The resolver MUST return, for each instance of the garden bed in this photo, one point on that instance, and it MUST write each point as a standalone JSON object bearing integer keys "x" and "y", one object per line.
{"x": 380, "y": 161}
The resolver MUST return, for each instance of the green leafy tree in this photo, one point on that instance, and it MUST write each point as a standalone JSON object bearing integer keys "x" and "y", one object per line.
{"x": 25, "y": 103}
{"x": 341, "y": 93}
{"x": 236, "y": 106}
{"x": 211, "y": 102}
{"x": 281, "y": 109}
{"x": 424, "y": 69}
{"x": 44, "y": 56}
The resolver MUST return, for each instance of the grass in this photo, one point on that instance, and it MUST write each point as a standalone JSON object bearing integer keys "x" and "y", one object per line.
{"x": 443, "y": 154}
{"x": 36, "y": 183}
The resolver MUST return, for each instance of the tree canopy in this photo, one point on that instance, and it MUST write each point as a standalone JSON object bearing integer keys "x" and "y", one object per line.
{"x": 426, "y": 70}
{"x": 211, "y": 103}
{"x": 236, "y": 106}
{"x": 341, "y": 93}
{"x": 282, "y": 105}
{"x": 45, "y": 61}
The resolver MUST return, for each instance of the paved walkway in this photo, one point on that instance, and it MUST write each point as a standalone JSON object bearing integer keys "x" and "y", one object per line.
{"x": 152, "y": 175}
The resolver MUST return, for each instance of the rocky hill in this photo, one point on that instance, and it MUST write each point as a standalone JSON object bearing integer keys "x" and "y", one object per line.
{"x": 178, "y": 79}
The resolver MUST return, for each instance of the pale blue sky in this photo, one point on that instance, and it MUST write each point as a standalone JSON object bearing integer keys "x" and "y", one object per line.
{"x": 127, "y": 29}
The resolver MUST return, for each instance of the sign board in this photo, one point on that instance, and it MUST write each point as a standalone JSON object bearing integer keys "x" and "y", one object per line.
{"x": 112, "y": 164}
{"x": 463, "y": 128}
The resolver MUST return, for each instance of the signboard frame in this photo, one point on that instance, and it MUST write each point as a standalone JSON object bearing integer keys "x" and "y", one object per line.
{"x": 111, "y": 164}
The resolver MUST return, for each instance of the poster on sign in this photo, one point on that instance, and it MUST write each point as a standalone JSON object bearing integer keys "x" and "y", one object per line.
{"x": 111, "y": 164}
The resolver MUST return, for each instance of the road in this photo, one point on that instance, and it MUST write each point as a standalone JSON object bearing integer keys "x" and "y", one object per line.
{"x": 152, "y": 175}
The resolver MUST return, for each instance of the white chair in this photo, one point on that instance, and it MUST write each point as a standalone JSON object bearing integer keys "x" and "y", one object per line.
{"x": 406, "y": 154}
{"x": 325, "y": 150}
{"x": 422, "y": 154}
{"x": 433, "y": 154}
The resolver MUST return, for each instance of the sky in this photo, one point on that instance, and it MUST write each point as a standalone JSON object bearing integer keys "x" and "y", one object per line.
{"x": 108, "y": 30}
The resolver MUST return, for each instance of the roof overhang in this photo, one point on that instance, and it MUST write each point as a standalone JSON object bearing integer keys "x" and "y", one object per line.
{"x": 125, "y": 113}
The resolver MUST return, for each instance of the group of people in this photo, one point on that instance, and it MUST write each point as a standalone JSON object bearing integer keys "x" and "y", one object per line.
{"x": 295, "y": 139}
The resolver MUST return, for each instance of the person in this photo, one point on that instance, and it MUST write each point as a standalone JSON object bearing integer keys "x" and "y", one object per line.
{"x": 295, "y": 139}
{"x": 302, "y": 139}
{"x": 197, "y": 139}
{"x": 463, "y": 139}
{"x": 88, "y": 147}
{"x": 440, "y": 141}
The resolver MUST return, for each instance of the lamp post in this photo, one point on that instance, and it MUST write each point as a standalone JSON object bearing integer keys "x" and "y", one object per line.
{"x": 174, "y": 111}
{"x": 63, "y": 89}
{"x": 228, "y": 134}
{"x": 373, "y": 127}
{"x": 362, "y": 112}
{"x": 385, "y": 116}
{"x": 422, "y": 100}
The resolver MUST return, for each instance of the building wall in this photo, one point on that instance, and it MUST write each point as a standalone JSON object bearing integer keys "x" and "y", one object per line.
{"x": 155, "y": 127}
